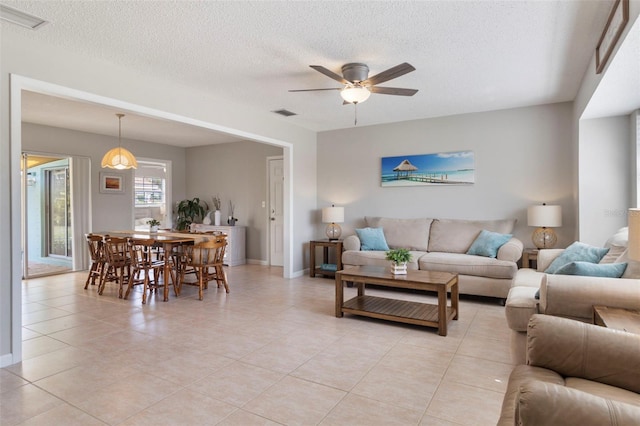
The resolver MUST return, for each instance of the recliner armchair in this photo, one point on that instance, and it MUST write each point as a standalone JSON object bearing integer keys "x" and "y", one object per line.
{"x": 576, "y": 373}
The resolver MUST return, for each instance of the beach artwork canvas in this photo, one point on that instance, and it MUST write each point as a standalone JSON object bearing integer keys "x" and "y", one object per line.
{"x": 445, "y": 168}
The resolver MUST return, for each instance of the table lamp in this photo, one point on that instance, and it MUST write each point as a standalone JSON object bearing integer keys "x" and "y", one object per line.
{"x": 333, "y": 215}
{"x": 545, "y": 218}
{"x": 633, "y": 218}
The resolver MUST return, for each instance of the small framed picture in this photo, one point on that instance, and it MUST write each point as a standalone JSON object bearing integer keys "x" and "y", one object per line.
{"x": 111, "y": 183}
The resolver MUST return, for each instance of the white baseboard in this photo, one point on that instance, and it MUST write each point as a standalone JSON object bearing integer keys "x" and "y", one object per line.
{"x": 257, "y": 262}
{"x": 6, "y": 360}
{"x": 299, "y": 273}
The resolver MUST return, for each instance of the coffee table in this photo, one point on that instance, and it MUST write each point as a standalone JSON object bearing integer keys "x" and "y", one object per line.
{"x": 425, "y": 314}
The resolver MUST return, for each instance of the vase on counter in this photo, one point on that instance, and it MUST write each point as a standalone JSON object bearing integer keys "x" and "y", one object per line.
{"x": 216, "y": 218}
{"x": 207, "y": 219}
{"x": 153, "y": 229}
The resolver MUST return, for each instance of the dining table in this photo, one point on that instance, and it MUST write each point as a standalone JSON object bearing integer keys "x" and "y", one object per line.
{"x": 168, "y": 240}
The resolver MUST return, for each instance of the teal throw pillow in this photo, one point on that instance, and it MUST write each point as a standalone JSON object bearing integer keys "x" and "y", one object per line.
{"x": 372, "y": 239}
{"x": 577, "y": 252}
{"x": 488, "y": 243}
{"x": 587, "y": 269}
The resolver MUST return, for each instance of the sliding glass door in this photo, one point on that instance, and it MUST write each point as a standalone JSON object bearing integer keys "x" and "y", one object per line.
{"x": 58, "y": 213}
{"x": 46, "y": 215}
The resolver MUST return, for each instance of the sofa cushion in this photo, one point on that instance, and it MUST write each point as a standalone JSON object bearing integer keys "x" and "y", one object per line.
{"x": 620, "y": 238}
{"x": 456, "y": 236}
{"x": 577, "y": 252}
{"x": 526, "y": 277}
{"x": 412, "y": 234}
{"x": 467, "y": 264}
{"x": 615, "y": 251}
{"x": 587, "y": 269}
{"x": 488, "y": 243}
{"x": 372, "y": 239}
{"x": 633, "y": 266}
{"x": 376, "y": 258}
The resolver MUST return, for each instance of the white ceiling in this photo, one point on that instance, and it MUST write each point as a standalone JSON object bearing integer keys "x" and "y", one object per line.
{"x": 470, "y": 56}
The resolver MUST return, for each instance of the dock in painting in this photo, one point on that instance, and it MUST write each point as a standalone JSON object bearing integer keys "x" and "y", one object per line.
{"x": 446, "y": 168}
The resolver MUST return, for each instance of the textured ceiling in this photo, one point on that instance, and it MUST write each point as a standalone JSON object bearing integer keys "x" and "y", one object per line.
{"x": 470, "y": 56}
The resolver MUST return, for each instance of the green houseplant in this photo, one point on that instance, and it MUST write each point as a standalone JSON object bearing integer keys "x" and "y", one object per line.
{"x": 153, "y": 225}
{"x": 399, "y": 258}
{"x": 189, "y": 211}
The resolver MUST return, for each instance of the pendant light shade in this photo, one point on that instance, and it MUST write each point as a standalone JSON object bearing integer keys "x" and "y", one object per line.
{"x": 119, "y": 157}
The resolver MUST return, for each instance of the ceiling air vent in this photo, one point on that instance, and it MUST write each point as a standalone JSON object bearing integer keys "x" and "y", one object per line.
{"x": 21, "y": 18}
{"x": 284, "y": 112}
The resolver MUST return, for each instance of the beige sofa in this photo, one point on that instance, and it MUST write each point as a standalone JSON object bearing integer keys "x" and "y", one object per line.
{"x": 441, "y": 245}
{"x": 567, "y": 296}
{"x": 576, "y": 374}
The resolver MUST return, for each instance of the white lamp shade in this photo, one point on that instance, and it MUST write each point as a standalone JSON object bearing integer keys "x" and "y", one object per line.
{"x": 544, "y": 216}
{"x": 333, "y": 214}
{"x": 355, "y": 94}
{"x": 633, "y": 218}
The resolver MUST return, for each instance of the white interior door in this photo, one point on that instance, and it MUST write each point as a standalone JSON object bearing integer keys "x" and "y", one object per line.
{"x": 276, "y": 214}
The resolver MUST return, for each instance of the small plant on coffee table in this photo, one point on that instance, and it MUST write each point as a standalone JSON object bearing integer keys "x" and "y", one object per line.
{"x": 399, "y": 256}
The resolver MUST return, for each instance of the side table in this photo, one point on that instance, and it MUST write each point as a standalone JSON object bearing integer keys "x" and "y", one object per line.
{"x": 529, "y": 255}
{"x": 325, "y": 268}
{"x": 617, "y": 318}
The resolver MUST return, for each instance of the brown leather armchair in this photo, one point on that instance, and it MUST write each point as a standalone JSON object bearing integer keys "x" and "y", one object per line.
{"x": 576, "y": 373}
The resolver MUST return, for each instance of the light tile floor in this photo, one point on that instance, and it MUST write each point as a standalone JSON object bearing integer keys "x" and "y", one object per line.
{"x": 270, "y": 352}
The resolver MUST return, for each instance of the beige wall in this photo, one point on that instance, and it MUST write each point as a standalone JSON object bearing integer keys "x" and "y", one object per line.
{"x": 522, "y": 157}
{"x": 237, "y": 172}
{"x": 605, "y": 174}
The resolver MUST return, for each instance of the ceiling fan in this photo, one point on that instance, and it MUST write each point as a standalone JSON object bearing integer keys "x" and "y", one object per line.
{"x": 358, "y": 86}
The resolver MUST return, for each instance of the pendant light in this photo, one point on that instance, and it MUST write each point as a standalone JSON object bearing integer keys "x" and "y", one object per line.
{"x": 119, "y": 158}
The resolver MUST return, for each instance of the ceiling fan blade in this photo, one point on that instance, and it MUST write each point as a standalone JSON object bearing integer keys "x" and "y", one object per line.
{"x": 329, "y": 73}
{"x": 393, "y": 91}
{"x": 390, "y": 74}
{"x": 313, "y": 90}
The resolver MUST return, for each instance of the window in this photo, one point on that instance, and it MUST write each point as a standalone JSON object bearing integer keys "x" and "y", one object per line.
{"x": 149, "y": 191}
{"x": 152, "y": 193}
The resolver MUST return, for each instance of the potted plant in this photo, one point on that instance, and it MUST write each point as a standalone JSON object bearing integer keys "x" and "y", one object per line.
{"x": 188, "y": 212}
{"x": 153, "y": 225}
{"x": 399, "y": 258}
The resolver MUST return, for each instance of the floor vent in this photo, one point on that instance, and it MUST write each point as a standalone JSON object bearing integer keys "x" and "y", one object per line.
{"x": 284, "y": 112}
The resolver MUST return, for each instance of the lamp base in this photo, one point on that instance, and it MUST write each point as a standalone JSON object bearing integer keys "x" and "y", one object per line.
{"x": 544, "y": 238}
{"x": 333, "y": 231}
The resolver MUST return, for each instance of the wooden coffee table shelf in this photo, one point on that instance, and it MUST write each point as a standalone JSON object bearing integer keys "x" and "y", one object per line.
{"x": 424, "y": 314}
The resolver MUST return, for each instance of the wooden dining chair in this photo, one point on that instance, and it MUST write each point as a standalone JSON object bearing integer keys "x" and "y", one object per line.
{"x": 118, "y": 263}
{"x": 96, "y": 252}
{"x": 205, "y": 259}
{"x": 144, "y": 269}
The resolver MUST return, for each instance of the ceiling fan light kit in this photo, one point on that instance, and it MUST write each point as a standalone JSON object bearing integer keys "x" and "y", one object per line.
{"x": 355, "y": 94}
{"x": 358, "y": 86}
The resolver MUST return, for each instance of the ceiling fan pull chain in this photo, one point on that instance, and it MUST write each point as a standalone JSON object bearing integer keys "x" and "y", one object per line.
{"x": 355, "y": 121}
